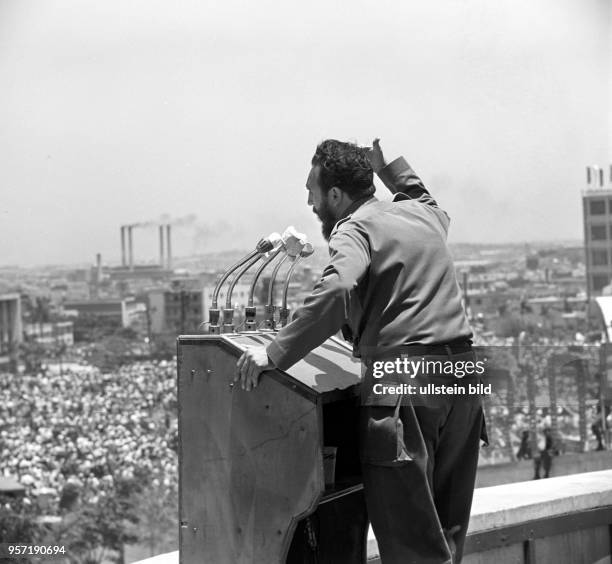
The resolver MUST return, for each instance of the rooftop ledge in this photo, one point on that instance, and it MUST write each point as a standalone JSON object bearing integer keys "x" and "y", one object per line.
{"x": 512, "y": 504}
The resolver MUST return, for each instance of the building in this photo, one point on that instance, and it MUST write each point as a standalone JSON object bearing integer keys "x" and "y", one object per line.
{"x": 11, "y": 333}
{"x": 126, "y": 312}
{"x": 49, "y": 334}
{"x": 176, "y": 311}
{"x": 183, "y": 310}
{"x": 597, "y": 214}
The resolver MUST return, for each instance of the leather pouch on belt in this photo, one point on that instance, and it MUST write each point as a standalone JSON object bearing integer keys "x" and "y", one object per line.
{"x": 382, "y": 436}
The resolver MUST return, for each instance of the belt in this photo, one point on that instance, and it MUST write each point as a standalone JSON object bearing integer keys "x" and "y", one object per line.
{"x": 439, "y": 349}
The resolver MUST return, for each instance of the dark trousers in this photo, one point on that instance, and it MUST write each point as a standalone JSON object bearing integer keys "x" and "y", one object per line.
{"x": 419, "y": 468}
{"x": 544, "y": 460}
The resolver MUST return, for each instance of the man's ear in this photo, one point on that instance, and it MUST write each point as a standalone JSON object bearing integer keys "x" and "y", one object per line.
{"x": 334, "y": 195}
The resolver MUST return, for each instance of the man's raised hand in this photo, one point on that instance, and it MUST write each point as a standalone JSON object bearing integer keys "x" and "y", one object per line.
{"x": 376, "y": 157}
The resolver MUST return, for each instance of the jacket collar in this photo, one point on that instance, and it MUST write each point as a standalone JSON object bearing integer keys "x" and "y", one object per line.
{"x": 348, "y": 212}
{"x": 356, "y": 205}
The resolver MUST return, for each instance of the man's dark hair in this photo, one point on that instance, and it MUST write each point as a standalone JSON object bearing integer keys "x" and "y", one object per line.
{"x": 346, "y": 166}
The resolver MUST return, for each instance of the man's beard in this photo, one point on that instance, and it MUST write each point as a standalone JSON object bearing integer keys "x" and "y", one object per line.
{"x": 327, "y": 219}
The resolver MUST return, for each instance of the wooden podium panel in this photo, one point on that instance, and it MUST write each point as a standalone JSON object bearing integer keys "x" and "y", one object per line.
{"x": 251, "y": 463}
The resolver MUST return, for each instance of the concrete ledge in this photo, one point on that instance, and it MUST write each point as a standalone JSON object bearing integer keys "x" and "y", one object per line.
{"x": 167, "y": 558}
{"x": 523, "y": 470}
{"x": 512, "y": 504}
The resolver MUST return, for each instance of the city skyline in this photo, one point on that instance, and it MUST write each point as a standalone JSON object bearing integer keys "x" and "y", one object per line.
{"x": 144, "y": 258}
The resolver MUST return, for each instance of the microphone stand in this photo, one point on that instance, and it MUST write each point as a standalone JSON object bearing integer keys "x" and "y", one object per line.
{"x": 228, "y": 326}
{"x": 284, "y": 311}
{"x": 214, "y": 314}
{"x": 268, "y": 322}
{"x": 228, "y": 312}
{"x": 250, "y": 311}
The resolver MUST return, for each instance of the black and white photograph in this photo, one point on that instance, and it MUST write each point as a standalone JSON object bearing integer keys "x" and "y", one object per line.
{"x": 306, "y": 283}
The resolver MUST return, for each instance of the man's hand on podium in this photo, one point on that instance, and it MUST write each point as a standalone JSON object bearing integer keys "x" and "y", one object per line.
{"x": 250, "y": 365}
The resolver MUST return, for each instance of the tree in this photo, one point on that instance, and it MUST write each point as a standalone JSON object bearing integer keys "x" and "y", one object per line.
{"x": 33, "y": 355}
{"x": 102, "y": 524}
{"x": 164, "y": 346}
{"x": 157, "y": 525}
{"x": 499, "y": 407}
{"x": 110, "y": 352}
{"x": 18, "y": 520}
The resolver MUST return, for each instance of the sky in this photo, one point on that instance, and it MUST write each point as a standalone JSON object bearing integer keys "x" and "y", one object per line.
{"x": 132, "y": 111}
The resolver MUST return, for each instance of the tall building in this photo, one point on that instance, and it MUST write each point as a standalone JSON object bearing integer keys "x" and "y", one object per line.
{"x": 11, "y": 333}
{"x": 176, "y": 311}
{"x": 597, "y": 213}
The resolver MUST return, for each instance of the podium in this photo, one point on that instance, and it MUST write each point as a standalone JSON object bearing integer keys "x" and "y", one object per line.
{"x": 251, "y": 474}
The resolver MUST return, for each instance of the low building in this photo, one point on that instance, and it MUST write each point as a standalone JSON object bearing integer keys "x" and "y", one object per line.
{"x": 50, "y": 334}
{"x": 125, "y": 311}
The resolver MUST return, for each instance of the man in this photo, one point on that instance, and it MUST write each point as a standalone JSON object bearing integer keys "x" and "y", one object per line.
{"x": 524, "y": 451}
{"x": 390, "y": 286}
{"x": 544, "y": 453}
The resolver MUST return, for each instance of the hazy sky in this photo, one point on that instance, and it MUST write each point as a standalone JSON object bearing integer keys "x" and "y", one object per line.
{"x": 116, "y": 112}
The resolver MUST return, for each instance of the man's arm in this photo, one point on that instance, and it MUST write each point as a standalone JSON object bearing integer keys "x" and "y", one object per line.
{"x": 398, "y": 176}
{"x": 322, "y": 315}
{"x": 327, "y": 308}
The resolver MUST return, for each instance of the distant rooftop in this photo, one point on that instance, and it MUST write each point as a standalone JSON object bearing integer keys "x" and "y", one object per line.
{"x": 594, "y": 191}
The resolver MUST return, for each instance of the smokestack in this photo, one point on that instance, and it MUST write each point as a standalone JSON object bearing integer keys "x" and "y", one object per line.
{"x": 588, "y": 169}
{"x": 98, "y": 267}
{"x": 169, "y": 246}
{"x": 161, "y": 247}
{"x": 123, "y": 245}
{"x": 130, "y": 247}
{"x": 601, "y": 177}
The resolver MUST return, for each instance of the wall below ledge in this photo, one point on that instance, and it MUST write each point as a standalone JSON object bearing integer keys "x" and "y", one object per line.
{"x": 565, "y": 520}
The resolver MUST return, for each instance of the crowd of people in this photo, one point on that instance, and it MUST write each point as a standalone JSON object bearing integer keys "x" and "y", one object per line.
{"x": 89, "y": 428}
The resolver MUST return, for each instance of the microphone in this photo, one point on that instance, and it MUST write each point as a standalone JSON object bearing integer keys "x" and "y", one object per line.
{"x": 294, "y": 243}
{"x": 228, "y": 314}
{"x": 263, "y": 246}
{"x": 288, "y": 241}
{"x": 284, "y": 311}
